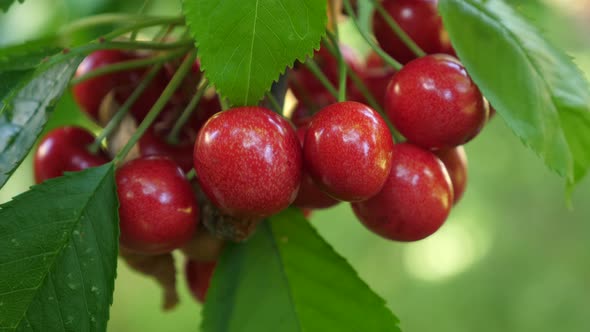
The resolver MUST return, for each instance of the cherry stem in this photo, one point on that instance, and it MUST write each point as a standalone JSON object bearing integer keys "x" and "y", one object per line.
{"x": 174, "y": 135}
{"x": 274, "y": 103}
{"x": 140, "y": 21}
{"x": 159, "y": 105}
{"x": 124, "y": 109}
{"x": 224, "y": 103}
{"x": 401, "y": 34}
{"x": 191, "y": 174}
{"x": 127, "y": 65}
{"x": 358, "y": 82}
{"x": 141, "y": 10}
{"x": 334, "y": 37}
{"x": 388, "y": 59}
{"x": 119, "y": 45}
{"x": 317, "y": 72}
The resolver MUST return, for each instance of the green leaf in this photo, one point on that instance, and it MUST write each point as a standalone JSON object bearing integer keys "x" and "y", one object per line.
{"x": 28, "y": 54}
{"x": 5, "y": 4}
{"x": 58, "y": 254}
{"x": 287, "y": 278}
{"x": 245, "y": 45}
{"x": 536, "y": 88}
{"x": 26, "y": 105}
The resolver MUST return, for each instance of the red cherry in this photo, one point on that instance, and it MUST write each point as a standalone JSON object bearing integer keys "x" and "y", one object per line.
{"x": 65, "y": 149}
{"x": 153, "y": 143}
{"x": 207, "y": 107}
{"x": 421, "y": 22}
{"x": 306, "y": 108}
{"x": 304, "y": 83}
{"x": 198, "y": 277}
{"x": 89, "y": 94}
{"x": 434, "y": 103}
{"x": 455, "y": 161}
{"x": 415, "y": 200}
{"x": 376, "y": 76}
{"x": 158, "y": 210}
{"x": 310, "y": 196}
{"x": 248, "y": 162}
{"x": 347, "y": 151}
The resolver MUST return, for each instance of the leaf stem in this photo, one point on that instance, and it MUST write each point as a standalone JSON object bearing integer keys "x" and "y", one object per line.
{"x": 317, "y": 72}
{"x": 172, "y": 21}
{"x": 127, "y": 65}
{"x": 124, "y": 109}
{"x": 389, "y": 60}
{"x": 174, "y": 135}
{"x": 401, "y": 34}
{"x": 117, "y": 45}
{"x": 159, "y": 105}
{"x": 139, "y": 22}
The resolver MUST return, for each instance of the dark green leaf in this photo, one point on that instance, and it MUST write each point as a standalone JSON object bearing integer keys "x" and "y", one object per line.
{"x": 27, "y": 55}
{"x": 287, "y": 278}
{"x": 58, "y": 254}
{"x": 535, "y": 87}
{"x": 5, "y": 4}
{"x": 245, "y": 45}
{"x": 25, "y": 108}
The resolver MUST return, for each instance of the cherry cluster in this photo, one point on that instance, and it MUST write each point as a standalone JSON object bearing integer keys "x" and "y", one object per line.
{"x": 159, "y": 207}
{"x": 251, "y": 163}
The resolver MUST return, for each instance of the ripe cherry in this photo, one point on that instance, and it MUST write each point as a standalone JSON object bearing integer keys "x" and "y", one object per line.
{"x": 376, "y": 76}
{"x": 158, "y": 210}
{"x": 198, "y": 276}
{"x": 208, "y": 106}
{"x": 310, "y": 196}
{"x": 305, "y": 84}
{"x": 248, "y": 162}
{"x": 65, "y": 149}
{"x": 415, "y": 200}
{"x": 421, "y": 22}
{"x": 306, "y": 108}
{"x": 153, "y": 143}
{"x": 434, "y": 103}
{"x": 347, "y": 151}
{"x": 90, "y": 93}
{"x": 455, "y": 161}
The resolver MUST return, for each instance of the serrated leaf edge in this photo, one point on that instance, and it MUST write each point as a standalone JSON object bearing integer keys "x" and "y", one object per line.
{"x": 59, "y": 252}
{"x": 288, "y": 67}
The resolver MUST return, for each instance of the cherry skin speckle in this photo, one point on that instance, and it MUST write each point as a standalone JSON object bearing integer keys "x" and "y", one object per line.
{"x": 434, "y": 103}
{"x": 65, "y": 149}
{"x": 198, "y": 276}
{"x": 415, "y": 200}
{"x": 455, "y": 161}
{"x": 421, "y": 22}
{"x": 158, "y": 211}
{"x": 310, "y": 195}
{"x": 347, "y": 151}
{"x": 248, "y": 162}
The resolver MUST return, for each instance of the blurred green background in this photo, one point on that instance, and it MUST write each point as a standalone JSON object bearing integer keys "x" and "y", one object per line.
{"x": 512, "y": 256}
